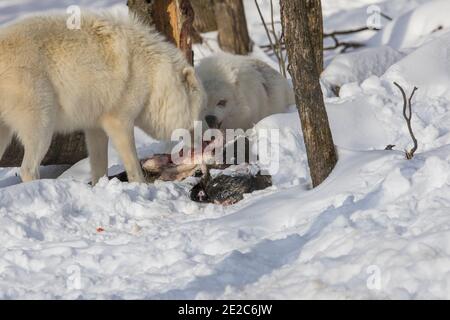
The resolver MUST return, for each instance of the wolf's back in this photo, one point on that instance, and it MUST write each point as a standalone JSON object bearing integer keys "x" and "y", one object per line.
{"x": 81, "y": 72}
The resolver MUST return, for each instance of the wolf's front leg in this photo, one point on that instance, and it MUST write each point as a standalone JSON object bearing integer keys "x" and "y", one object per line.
{"x": 97, "y": 145}
{"x": 121, "y": 132}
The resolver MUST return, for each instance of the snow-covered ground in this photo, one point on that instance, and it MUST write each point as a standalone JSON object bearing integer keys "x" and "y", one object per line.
{"x": 378, "y": 227}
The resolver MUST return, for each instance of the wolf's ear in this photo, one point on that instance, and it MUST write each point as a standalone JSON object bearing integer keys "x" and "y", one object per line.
{"x": 189, "y": 77}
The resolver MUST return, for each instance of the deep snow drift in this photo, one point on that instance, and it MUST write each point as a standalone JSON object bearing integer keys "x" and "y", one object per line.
{"x": 379, "y": 227}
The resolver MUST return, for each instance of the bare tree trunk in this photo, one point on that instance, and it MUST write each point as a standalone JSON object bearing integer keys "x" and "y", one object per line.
{"x": 232, "y": 25}
{"x": 173, "y": 18}
{"x": 205, "y": 18}
{"x": 303, "y": 68}
{"x": 142, "y": 9}
{"x": 65, "y": 149}
{"x": 315, "y": 23}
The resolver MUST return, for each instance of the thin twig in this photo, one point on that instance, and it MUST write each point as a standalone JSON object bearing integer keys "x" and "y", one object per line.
{"x": 345, "y": 45}
{"x": 265, "y": 27}
{"x": 277, "y": 47}
{"x": 408, "y": 109}
{"x": 385, "y": 16}
{"x": 277, "y": 42}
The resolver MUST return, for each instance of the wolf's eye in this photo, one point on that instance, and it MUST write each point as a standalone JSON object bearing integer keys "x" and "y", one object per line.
{"x": 222, "y": 103}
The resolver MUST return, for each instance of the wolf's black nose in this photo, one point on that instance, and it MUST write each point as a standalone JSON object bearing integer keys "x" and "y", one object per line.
{"x": 212, "y": 122}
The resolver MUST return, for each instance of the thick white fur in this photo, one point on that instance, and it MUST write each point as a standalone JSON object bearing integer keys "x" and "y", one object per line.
{"x": 106, "y": 78}
{"x": 252, "y": 89}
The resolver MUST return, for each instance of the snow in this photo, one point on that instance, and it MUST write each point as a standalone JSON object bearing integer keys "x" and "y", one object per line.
{"x": 410, "y": 29}
{"x": 378, "y": 227}
{"x": 428, "y": 67}
{"x": 360, "y": 65}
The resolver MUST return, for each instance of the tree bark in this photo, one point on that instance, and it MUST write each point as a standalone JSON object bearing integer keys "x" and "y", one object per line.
{"x": 143, "y": 9}
{"x": 173, "y": 18}
{"x": 65, "y": 149}
{"x": 232, "y": 25}
{"x": 205, "y": 18}
{"x": 303, "y": 68}
{"x": 315, "y": 23}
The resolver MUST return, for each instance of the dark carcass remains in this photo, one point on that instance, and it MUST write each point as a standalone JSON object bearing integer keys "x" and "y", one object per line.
{"x": 228, "y": 189}
{"x": 224, "y": 188}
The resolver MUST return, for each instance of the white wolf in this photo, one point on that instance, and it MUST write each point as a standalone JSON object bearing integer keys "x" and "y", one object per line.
{"x": 112, "y": 74}
{"x": 242, "y": 91}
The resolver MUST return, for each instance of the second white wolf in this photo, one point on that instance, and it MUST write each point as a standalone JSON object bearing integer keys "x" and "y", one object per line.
{"x": 242, "y": 91}
{"x": 105, "y": 78}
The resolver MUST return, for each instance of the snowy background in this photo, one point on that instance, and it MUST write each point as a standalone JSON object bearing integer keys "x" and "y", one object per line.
{"x": 378, "y": 227}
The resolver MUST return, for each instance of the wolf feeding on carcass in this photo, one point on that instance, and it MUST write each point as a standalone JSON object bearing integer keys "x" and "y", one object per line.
{"x": 114, "y": 74}
{"x": 241, "y": 91}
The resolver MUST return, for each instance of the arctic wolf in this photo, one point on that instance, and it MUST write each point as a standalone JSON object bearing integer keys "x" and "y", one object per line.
{"x": 107, "y": 77}
{"x": 241, "y": 91}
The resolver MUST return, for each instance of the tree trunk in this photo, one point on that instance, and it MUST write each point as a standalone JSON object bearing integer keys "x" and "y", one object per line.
{"x": 303, "y": 68}
{"x": 315, "y": 23}
{"x": 142, "y": 9}
{"x": 65, "y": 149}
{"x": 232, "y": 25}
{"x": 205, "y": 18}
{"x": 173, "y": 18}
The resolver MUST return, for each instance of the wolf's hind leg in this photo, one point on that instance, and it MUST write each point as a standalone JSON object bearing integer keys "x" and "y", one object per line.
{"x": 97, "y": 145}
{"x": 36, "y": 142}
{"x": 5, "y": 138}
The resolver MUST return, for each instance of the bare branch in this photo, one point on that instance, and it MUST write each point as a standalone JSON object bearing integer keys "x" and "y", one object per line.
{"x": 407, "y": 114}
{"x": 265, "y": 27}
{"x": 277, "y": 47}
{"x": 333, "y": 35}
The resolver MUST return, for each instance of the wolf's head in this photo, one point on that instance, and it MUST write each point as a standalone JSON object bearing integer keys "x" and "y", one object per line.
{"x": 176, "y": 101}
{"x": 221, "y": 105}
{"x": 220, "y": 82}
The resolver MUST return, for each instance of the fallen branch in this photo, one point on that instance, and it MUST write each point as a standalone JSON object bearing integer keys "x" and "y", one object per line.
{"x": 344, "y": 44}
{"x": 407, "y": 114}
{"x": 351, "y": 31}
